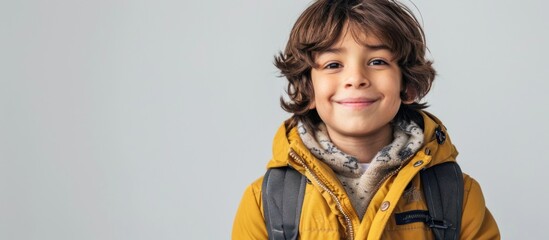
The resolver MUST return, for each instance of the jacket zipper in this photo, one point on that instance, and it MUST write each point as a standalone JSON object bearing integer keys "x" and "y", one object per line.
{"x": 338, "y": 202}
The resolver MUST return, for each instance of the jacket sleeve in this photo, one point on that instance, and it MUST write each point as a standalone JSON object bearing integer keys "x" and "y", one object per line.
{"x": 249, "y": 222}
{"x": 477, "y": 221}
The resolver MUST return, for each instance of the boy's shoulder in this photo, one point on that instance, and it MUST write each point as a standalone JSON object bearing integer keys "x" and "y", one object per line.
{"x": 254, "y": 190}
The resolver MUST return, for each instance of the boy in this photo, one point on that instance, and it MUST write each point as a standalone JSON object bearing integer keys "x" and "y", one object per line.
{"x": 357, "y": 71}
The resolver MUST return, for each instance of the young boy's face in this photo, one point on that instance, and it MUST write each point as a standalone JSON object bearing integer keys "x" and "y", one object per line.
{"x": 356, "y": 87}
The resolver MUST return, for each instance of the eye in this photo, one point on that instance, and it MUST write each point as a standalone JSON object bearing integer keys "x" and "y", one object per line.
{"x": 377, "y": 62}
{"x": 332, "y": 65}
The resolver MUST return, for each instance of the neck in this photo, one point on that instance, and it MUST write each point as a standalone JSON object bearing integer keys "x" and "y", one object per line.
{"x": 363, "y": 147}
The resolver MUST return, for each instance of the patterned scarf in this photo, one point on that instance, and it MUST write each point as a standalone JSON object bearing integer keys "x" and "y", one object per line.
{"x": 361, "y": 185}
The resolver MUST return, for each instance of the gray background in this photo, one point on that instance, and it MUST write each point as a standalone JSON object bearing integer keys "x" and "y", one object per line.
{"x": 147, "y": 119}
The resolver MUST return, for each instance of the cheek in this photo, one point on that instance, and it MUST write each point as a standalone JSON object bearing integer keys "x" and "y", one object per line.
{"x": 320, "y": 91}
{"x": 391, "y": 87}
{"x": 322, "y": 88}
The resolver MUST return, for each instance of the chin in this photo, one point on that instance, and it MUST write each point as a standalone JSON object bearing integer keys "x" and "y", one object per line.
{"x": 358, "y": 130}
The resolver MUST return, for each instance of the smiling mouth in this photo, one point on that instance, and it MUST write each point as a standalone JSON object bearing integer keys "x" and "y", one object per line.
{"x": 356, "y": 102}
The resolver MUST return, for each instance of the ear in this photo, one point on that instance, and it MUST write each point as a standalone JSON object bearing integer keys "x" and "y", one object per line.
{"x": 409, "y": 95}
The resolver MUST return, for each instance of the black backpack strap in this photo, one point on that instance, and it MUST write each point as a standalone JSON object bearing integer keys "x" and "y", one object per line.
{"x": 282, "y": 192}
{"x": 443, "y": 188}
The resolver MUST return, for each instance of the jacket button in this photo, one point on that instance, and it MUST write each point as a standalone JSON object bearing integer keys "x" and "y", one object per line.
{"x": 440, "y": 135}
{"x": 385, "y": 205}
{"x": 418, "y": 163}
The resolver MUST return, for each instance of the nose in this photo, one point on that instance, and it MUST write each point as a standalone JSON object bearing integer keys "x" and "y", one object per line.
{"x": 357, "y": 78}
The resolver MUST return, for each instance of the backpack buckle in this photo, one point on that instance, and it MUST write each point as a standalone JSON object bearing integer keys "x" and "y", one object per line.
{"x": 434, "y": 223}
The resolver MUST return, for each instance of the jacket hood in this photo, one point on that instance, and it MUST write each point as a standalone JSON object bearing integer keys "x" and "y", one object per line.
{"x": 437, "y": 143}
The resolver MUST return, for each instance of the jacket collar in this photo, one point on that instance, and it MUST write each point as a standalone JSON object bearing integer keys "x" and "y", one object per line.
{"x": 436, "y": 138}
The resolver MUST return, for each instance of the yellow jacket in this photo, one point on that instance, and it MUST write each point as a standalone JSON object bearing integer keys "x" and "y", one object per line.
{"x": 327, "y": 212}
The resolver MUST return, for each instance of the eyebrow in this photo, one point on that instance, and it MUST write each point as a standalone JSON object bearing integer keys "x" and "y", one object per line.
{"x": 378, "y": 47}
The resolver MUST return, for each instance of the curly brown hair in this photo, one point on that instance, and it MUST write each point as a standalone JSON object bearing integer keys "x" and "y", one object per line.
{"x": 320, "y": 26}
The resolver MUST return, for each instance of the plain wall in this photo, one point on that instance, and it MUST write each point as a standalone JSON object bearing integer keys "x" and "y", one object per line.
{"x": 147, "y": 119}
